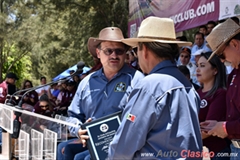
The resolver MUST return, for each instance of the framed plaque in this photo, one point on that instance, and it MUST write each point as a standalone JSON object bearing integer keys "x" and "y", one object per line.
{"x": 101, "y": 133}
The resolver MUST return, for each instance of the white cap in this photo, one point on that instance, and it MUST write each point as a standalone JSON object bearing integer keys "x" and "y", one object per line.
{"x": 198, "y": 52}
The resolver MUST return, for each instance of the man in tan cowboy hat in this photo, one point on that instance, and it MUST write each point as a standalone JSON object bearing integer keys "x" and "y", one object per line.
{"x": 225, "y": 43}
{"x": 160, "y": 120}
{"x": 100, "y": 93}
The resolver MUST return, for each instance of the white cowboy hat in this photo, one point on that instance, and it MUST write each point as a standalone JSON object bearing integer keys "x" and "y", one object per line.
{"x": 198, "y": 52}
{"x": 112, "y": 34}
{"x": 221, "y": 34}
{"x": 155, "y": 29}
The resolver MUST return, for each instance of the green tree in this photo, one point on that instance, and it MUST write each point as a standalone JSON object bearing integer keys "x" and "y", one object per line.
{"x": 54, "y": 33}
{"x": 13, "y": 49}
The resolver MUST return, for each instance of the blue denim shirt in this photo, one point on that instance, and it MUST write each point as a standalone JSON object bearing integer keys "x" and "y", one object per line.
{"x": 164, "y": 107}
{"x": 97, "y": 97}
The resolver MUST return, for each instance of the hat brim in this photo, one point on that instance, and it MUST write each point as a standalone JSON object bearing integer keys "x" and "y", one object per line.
{"x": 221, "y": 46}
{"x": 134, "y": 41}
{"x": 94, "y": 42}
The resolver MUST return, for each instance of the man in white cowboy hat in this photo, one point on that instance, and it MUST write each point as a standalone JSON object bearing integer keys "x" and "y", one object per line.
{"x": 225, "y": 43}
{"x": 160, "y": 120}
{"x": 101, "y": 92}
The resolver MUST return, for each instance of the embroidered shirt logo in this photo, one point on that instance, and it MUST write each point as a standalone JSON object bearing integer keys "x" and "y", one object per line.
{"x": 203, "y": 103}
{"x": 120, "y": 87}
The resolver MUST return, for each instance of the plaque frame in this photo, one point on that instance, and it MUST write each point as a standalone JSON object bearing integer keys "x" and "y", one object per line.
{"x": 98, "y": 122}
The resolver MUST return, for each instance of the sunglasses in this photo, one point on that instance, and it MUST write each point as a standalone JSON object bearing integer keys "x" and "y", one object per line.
{"x": 110, "y": 51}
{"x": 221, "y": 56}
{"x": 44, "y": 106}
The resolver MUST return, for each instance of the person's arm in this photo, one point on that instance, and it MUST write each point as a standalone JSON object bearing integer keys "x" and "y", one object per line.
{"x": 233, "y": 128}
{"x": 50, "y": 93}
{"x": 75, "y": 110}
{"x": 59, "y": 98}
{"x": 133, "y": 132}
{"x": 3, "y": 94}
{"x": 35, "y": 98}
{"x": 217, "y": 109}
{"x": 32, "y": 98}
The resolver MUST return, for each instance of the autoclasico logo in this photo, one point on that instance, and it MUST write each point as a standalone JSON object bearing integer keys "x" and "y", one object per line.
{"x": 191, "y": 13}
{"x": 184, "y": 154}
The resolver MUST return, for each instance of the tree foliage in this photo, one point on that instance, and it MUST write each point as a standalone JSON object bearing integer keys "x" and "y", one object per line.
{"x": 54, "y": 33}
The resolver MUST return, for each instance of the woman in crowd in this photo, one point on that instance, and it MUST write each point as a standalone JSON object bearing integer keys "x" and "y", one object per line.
{"x": 212, "y": 75}
{"x": 31, "y": 97}
{"x": 44, "y": 107}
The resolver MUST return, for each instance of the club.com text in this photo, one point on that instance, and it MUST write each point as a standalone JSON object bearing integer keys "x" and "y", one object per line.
{"x": 191, "y": 13}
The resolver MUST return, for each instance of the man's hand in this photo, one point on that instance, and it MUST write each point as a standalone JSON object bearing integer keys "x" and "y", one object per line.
{"x": 82, "y": 134}
{"x": 218, "y": 130}
{"x": 42, "y": 127}
{"x": 204, "y": 134}
{"x": 207, "y": 125}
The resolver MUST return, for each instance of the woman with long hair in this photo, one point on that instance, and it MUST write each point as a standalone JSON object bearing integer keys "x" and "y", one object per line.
{"x": 31, "y": 97}
{"x": 212, "y": 76}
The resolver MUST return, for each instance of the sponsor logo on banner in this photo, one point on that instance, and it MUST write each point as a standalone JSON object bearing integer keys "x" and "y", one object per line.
{"x": 192, "y": 13}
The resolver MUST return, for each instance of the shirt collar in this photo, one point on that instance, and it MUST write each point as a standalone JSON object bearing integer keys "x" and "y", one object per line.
{"x": 125, "y": 69}
{"x": 162, "y": 65}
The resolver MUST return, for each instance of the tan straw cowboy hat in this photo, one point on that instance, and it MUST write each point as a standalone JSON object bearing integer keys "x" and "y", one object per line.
{"x": 221, "y": 34}
{"x": 155, "y": 29}
{"x": 112, "y": 34}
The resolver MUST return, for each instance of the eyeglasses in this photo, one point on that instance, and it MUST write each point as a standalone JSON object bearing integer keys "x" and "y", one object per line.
{"x": 221, "y": 55}
{"x": 109, "y": 51}
{"x": 44, "y": 106}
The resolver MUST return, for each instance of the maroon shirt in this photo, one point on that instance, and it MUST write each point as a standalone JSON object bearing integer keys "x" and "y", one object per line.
{"x": 233, "y": 105}
{"x": 3, "y": 91}
{"x": 32, "y": 94}
{"x": 213, "y": 108}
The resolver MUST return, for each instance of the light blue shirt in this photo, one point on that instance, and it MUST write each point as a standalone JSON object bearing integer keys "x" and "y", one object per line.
{"x": 164, "y": 107}
{"x": 195, "y": 48}
{"x": 97, "y": 97}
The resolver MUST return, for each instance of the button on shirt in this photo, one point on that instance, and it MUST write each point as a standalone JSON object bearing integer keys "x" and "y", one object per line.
{"x": 233, "y": 105}
{"x": 164, "y": 117}
{"x": 97, "y": 96}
